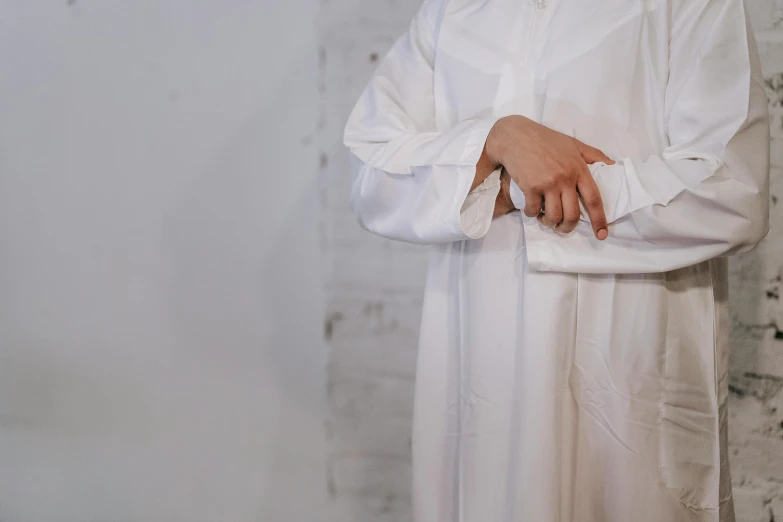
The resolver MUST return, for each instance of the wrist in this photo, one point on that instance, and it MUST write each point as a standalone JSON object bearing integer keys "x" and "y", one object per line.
{"x": 496, "y": 140}
{"x": 503, "y": 202}
{"x": 484, "y": 168}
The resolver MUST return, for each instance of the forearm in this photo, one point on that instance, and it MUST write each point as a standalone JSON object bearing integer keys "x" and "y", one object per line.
{"x": 706, "y": 193}
{"x": 667, "y": 227}
{"x": 415, "y": 188}
{"x": 485, "y": 166}
{"x": 490, "y": 177}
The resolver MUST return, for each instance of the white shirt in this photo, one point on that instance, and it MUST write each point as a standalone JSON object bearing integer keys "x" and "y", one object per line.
{"x": 561, "y": 378}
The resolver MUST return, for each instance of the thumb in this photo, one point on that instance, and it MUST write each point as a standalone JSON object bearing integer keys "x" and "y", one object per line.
{"x": 593, "y": 155}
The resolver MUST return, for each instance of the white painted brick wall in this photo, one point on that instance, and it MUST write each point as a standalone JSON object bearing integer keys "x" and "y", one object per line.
{"x": 375, "y": 290}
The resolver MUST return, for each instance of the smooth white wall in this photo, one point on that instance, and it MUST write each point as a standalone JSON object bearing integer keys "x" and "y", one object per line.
{"x": 161, "y": 349}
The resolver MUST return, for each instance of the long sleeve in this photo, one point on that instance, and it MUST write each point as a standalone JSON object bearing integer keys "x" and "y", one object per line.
{"x": 707, "y": 193}
{"x": 410, "y": 179}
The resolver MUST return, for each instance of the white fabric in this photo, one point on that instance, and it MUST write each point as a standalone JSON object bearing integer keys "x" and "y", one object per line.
{"x": 563, "y": 379}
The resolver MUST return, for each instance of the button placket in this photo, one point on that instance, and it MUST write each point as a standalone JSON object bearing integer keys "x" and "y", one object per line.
{"x": 538, "y": 41}
{"x": 530, "y": 56}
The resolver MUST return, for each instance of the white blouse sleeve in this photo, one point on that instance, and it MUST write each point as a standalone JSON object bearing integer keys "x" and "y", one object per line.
{"x": 411, "y": 180}
{"x": 707, "y": 193}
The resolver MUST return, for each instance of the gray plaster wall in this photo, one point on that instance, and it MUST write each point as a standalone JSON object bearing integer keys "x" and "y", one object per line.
{"x": 161, "y": 347}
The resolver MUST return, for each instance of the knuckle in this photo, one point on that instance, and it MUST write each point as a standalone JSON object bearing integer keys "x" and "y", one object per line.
{"x": 540, "y": 187}
{"x": 568, "y": 171}
{"x": 593, "y": 200}
{"x": 573, "y": 173}
{"x": 569, "y": 183}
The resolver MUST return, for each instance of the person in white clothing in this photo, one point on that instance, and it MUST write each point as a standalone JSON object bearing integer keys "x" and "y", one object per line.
{"x": 581, "y": 170}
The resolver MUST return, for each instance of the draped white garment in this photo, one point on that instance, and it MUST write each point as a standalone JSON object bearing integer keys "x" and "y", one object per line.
{"x": 562, "y": 379}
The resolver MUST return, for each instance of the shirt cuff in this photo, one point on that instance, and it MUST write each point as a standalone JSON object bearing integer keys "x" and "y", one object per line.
{"x": 621, "y": 190}
{"x": 479, "y": 206}
{"x": 624, "y": 192}
{"x": 540, "y": 245}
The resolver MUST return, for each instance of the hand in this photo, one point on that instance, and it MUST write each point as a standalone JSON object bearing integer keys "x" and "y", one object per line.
{"x": 503, "y": 203}
{"x": 550, "y": 166}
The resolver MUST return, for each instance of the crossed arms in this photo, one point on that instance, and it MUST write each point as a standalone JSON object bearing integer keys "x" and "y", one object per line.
{"x": 705, "y": 195}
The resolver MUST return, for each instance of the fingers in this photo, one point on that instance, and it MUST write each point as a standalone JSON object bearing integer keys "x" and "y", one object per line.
{"x": 591, "y": 198}
{"x": 593, "y": 155}
{"x": 532, "y": 203}
{"x": 571, "y": 212}
{"x": 554, "y": 209}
